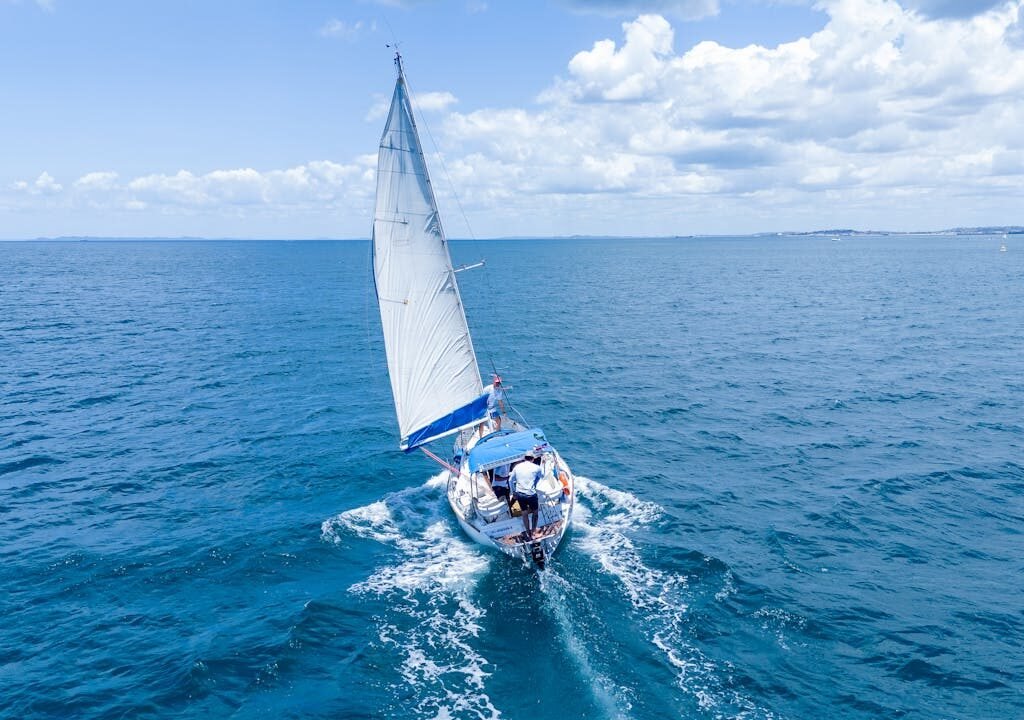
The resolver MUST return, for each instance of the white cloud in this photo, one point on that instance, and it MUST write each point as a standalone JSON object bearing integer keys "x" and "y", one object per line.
{"x": 885, "y": 117}
{"x": 317, "y": 186}
{"x": 881, "y": 97}
{"x": 346, "y": 31}
{"x": 431, "y": 101}
{"x": 96, "y": 181}
{"x": 379, "y": 109}
{"x": 43, "y": 185}
{"x": 630, "y": 72}
{"x": 319, "y": 182}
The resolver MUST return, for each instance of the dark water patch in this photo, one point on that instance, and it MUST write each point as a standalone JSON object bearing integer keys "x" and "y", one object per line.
{"x": 971, "y": 473}
{"x": 904, "y": 445}
{"x": 47, "y": 485}
{"x": 19, "y": 442}
{"x": 994, "y": 625}
{"x": 918, "y": 670}
{"x": 44, "y": 326}
{"x": 94, "y": 400}
{"x": 1013, "y": 428}
{"x": 788, "y": 421}
{"x": 825, "y": 446}
{"x": 124, "y": 488}
{"x": 869, "y": 708}
{"x": 27, "y": 463}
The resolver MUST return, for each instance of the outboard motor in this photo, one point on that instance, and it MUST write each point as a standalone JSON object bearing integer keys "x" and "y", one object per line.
{"x": 537, "y": 553}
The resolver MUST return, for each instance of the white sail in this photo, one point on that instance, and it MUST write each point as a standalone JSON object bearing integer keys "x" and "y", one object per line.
{"x": 434, "y": 375}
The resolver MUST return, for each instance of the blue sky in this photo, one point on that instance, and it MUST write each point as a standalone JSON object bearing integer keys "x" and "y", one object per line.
{"x": 664, "y": 117}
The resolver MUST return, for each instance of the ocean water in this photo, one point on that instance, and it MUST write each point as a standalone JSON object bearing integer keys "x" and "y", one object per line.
{"x": 801, "y": 485}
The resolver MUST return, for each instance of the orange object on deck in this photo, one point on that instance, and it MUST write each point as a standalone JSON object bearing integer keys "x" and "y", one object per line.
{"x": 564, "y": 479}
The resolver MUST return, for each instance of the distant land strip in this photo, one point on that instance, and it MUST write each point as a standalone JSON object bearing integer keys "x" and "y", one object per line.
{"x": 836, "y": 232}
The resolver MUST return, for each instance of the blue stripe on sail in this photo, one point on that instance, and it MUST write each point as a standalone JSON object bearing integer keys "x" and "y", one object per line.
{"x": 465, "y": 415}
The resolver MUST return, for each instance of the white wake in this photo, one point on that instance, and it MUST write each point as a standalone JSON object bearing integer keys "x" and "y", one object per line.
{"x": 428, "y": 617}
{"x": 658, "y": 597}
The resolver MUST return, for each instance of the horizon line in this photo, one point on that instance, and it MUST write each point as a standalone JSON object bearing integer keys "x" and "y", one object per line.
{"x": 978, "y": 230}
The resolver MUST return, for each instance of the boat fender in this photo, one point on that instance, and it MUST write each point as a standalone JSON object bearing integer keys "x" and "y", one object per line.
{"x": 564, "y": 479}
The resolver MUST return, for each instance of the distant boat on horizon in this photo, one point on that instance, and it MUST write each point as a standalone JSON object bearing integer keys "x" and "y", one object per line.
{"x": 1002, "y": 248}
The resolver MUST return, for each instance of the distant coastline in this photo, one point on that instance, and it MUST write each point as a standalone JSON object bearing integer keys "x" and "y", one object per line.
{"x": 836, "y": 232}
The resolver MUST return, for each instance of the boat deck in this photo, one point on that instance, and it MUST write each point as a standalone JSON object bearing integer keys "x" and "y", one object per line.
{"x": 492, "y": 517}
{"x": 543, "y": 533}
{"x": 503, "y": 525}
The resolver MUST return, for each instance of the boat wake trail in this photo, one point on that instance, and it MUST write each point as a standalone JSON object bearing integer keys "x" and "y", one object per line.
{"x": 559, "y": 597}
{"x": 427, "y": 616}
{"x": 657, "y": 598}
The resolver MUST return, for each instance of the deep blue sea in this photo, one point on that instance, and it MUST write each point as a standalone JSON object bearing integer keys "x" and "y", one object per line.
{"x": 801, "y": 485}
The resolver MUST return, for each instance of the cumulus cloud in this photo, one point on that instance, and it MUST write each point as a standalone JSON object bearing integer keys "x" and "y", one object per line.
{"x": 43, "y": 185}
{"x": 320, "y": 182}
{"x": 317, "y": 185}
{"x": 885, "y": 117}
{"x": 629, "y": 72}
{"x": 882, "y": 100}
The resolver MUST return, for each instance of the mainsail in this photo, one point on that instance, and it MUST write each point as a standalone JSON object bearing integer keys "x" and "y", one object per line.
{"x": 434, "y": 375}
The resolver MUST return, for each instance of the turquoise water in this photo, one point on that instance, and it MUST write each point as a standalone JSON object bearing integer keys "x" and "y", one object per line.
{"x": 801, "y": 488}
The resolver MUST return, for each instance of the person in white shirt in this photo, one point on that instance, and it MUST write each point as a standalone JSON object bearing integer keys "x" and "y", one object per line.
{"x": 525, "y": 475}
{"x": 495, "y": 404}
{"x": 500, "y": 482}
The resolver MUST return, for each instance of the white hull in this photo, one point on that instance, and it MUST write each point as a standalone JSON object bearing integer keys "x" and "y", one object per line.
{"x": 489, "y": 521}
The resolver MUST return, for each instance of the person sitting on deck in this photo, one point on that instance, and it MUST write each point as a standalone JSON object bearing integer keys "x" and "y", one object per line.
{"x": 524, "y": 484}
{"x": 499, "y": 482}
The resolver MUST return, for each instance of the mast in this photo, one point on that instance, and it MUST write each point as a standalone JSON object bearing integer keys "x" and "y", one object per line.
{"x": 435, "y": 379}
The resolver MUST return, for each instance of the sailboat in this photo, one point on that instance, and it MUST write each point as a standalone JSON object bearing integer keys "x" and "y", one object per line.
{"x": 435, "y": 379}
{"x": 1002, "y": 248}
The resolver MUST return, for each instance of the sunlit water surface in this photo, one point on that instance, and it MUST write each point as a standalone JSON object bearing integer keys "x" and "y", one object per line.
{"x": 801, "y": 489}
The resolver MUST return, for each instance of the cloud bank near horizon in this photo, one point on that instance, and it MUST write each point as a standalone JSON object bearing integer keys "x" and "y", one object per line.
{"x": 888, "y": 116}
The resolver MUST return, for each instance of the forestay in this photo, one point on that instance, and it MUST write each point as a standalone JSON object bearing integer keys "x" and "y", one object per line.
{"x": 434, "y": 375}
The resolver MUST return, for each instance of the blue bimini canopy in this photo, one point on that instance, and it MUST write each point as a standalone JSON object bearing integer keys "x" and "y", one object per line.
{"x": 505, "y": 448}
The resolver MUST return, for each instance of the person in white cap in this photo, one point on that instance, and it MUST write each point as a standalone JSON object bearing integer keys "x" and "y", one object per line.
{"x": 495, "y": 404}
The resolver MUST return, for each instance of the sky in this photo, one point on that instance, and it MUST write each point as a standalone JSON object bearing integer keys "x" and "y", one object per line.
{"x": 253, "y": 119}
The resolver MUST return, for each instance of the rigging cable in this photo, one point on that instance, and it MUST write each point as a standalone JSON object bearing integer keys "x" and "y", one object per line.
{"x": 472, "y": 236}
